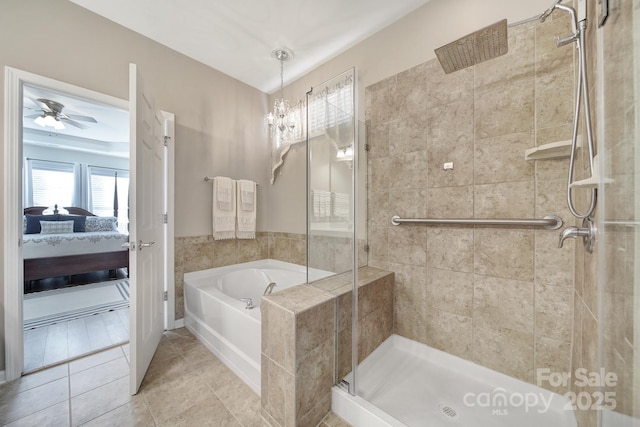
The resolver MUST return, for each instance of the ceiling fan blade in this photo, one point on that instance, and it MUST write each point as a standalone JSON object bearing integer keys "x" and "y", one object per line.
{"x": 81, "y": 118}
{"x": 73, "y": 123}
{"x": 32, "y": 116}
{"x": 39, "y": 104}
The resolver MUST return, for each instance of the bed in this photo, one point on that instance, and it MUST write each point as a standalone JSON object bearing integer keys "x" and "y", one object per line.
{"x": 64, "y": 244}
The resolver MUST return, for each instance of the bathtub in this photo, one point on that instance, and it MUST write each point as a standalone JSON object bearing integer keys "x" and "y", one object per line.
{"x": 215, "y": 314}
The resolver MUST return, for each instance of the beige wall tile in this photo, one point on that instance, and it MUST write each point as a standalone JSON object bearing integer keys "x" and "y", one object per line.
{"x": 503, "y": 303}
{"x": 460, "y": 153}
{"x": 379, "y": 210}
{"x": 501, "y": 159}
{"x": 410, "y": 283}
{"x": 446, "y": 88}
{"x": 504, "y": 350}
{"x": 408, "y": 245}
{"x": 552, "y": 356}
{"x": 555, "y": 97}
{"x": 450, "y": 248}
{"x": 442, "y": 326}
{"x": 313, "y": 327}
{"x": 505, "y": 111}
{"x": 504, "y": 253}
{"x": 450, "y": 202}
{"x": 549, "y": 57}
{"x": 406, "y": 136}
{"x": 451, "y": 124}
{"x": 408, "y": 170}
{"x": 450, "y": 291}
{"x": 410, "y": 320}
{"x": 378, "y": 244}
{"x": 504, "y": 200}
{"x": 314, "y": 378}
{"x": 278, "y": 334}
{"x": 554, "y": 311}
{"x": 379, "y": 171}
{"x": 553, "y": 265}
{"x": 407, "y": 204}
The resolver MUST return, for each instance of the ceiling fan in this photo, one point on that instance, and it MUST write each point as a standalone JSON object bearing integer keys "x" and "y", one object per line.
{"x": 50, "y": 114}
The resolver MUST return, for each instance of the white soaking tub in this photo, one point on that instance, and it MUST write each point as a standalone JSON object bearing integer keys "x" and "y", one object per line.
{"x": 215, "y": 313}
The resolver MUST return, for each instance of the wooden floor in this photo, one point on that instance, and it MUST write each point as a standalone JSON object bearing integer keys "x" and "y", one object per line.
{"x": 57, "y": 343}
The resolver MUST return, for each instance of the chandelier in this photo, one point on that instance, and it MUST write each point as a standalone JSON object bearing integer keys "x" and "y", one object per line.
{"x": 281, "y": 122}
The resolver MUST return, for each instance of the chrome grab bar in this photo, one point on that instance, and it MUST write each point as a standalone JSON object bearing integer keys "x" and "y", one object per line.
{"x": 550, "y": 222}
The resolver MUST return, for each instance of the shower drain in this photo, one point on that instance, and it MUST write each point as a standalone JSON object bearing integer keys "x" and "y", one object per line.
{"x": 449, "y": 412}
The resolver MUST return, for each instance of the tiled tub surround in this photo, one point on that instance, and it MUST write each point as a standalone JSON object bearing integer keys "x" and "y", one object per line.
{"x": 299, "y": 341}
{"x": 202, "y": 252}
{"x": 216, "y": 314}
{"x": 197, "y": 253}
{"x": 500, "y": 297}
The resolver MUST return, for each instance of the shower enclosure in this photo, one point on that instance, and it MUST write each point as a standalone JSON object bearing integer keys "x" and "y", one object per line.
{"x": 565, "y": 310}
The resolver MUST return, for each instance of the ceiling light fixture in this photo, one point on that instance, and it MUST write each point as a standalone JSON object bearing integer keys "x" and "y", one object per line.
{"x": 49, "y": 120}
{"x": 280, "y": 121}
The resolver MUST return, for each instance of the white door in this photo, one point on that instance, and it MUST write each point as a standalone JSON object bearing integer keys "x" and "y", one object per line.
{"x": 146, "y": 204}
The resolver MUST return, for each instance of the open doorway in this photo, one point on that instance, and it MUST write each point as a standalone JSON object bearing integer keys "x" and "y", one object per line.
{"x": 75, "y": 174}
{"x": 141, "y": 298}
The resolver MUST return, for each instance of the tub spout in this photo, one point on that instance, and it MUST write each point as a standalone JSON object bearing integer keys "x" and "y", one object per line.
{"x": 571, "y": 232}
{"x": 587, "y": 232}
{"x": 249, "y": 302}
{"x": 269, "y": 288}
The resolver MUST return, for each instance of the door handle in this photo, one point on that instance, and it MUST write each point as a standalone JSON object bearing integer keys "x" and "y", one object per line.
{"x": 144, "y": 245}
{"x": 129, "y": 245}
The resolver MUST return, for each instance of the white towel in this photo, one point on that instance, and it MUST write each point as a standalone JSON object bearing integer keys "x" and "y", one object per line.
{"x": 246, "y": 209}
{"x": 224, "y": 208}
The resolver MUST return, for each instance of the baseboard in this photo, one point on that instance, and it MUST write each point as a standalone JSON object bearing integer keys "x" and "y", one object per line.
{"x": 178, "y": 323}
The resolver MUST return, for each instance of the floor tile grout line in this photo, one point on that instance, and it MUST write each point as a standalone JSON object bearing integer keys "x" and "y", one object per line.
{"x": 69, "y": 394}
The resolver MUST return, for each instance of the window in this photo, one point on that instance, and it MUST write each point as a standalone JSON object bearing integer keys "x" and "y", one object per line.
{"x": 104, "y": 183}
{"x": 49, "y": 183}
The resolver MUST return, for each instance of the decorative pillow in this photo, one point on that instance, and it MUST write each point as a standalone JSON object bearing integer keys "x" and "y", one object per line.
{"x": 56, "y": 227}
{"x": 33, "y": 222}
{"x": 79, "y": 222}
{"x": 101, "y": 223}
{"x": 24, "y": 224}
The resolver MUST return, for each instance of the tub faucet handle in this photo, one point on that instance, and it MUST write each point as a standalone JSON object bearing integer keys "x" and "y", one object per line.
{"x": 249, "y": 302}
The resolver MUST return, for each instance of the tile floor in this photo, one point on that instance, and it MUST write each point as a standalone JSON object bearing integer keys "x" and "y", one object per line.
{"x": 186, "y": 385}
{"x": 68, "y": 340}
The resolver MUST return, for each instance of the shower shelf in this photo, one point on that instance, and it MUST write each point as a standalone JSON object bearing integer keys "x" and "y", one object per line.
{"x": 594, "y": 179}
{"x": 552, "y": 150}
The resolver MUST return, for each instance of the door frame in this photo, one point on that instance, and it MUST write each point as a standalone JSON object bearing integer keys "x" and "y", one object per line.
{"x": 12, "y": 221}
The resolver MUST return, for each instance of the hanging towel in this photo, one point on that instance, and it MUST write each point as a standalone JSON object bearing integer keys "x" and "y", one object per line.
{"x": 224, "y": 208}
{"x": 246, "y": 209}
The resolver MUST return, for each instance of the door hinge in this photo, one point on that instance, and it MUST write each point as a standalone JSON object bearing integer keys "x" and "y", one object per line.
{"x": 165, "y": 218}
{"x": 166, "y": 140}
{"x": 366, "y": 248}
{"x": 367, "y": 147}
{"x": 166, "y": 296}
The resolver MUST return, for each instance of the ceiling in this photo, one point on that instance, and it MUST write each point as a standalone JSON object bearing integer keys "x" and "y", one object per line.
{"x": 238, "y": 37}
{"x": 110, "y": 135}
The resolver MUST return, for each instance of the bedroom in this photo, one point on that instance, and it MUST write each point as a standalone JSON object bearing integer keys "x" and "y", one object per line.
{"x": 76, "y": 168}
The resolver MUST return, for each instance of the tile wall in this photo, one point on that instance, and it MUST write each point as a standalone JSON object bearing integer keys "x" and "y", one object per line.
{"x": 500, "y": 297}
{"x": 299, "y": 352}
{"x": 202, "y": 252}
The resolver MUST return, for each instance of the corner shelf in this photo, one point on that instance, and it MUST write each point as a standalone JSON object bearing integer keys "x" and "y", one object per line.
{"x": 553, "y": 150}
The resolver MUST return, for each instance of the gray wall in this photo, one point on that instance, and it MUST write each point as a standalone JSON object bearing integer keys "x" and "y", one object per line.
{"x": 219, "y": 127}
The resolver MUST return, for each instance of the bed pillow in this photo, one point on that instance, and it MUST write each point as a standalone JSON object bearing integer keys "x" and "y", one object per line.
{"x": 101, "y": 223}
{"x": 33, "y": 222}
{"x": 56, "y": 227}
{"x": 79, "y": 222}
